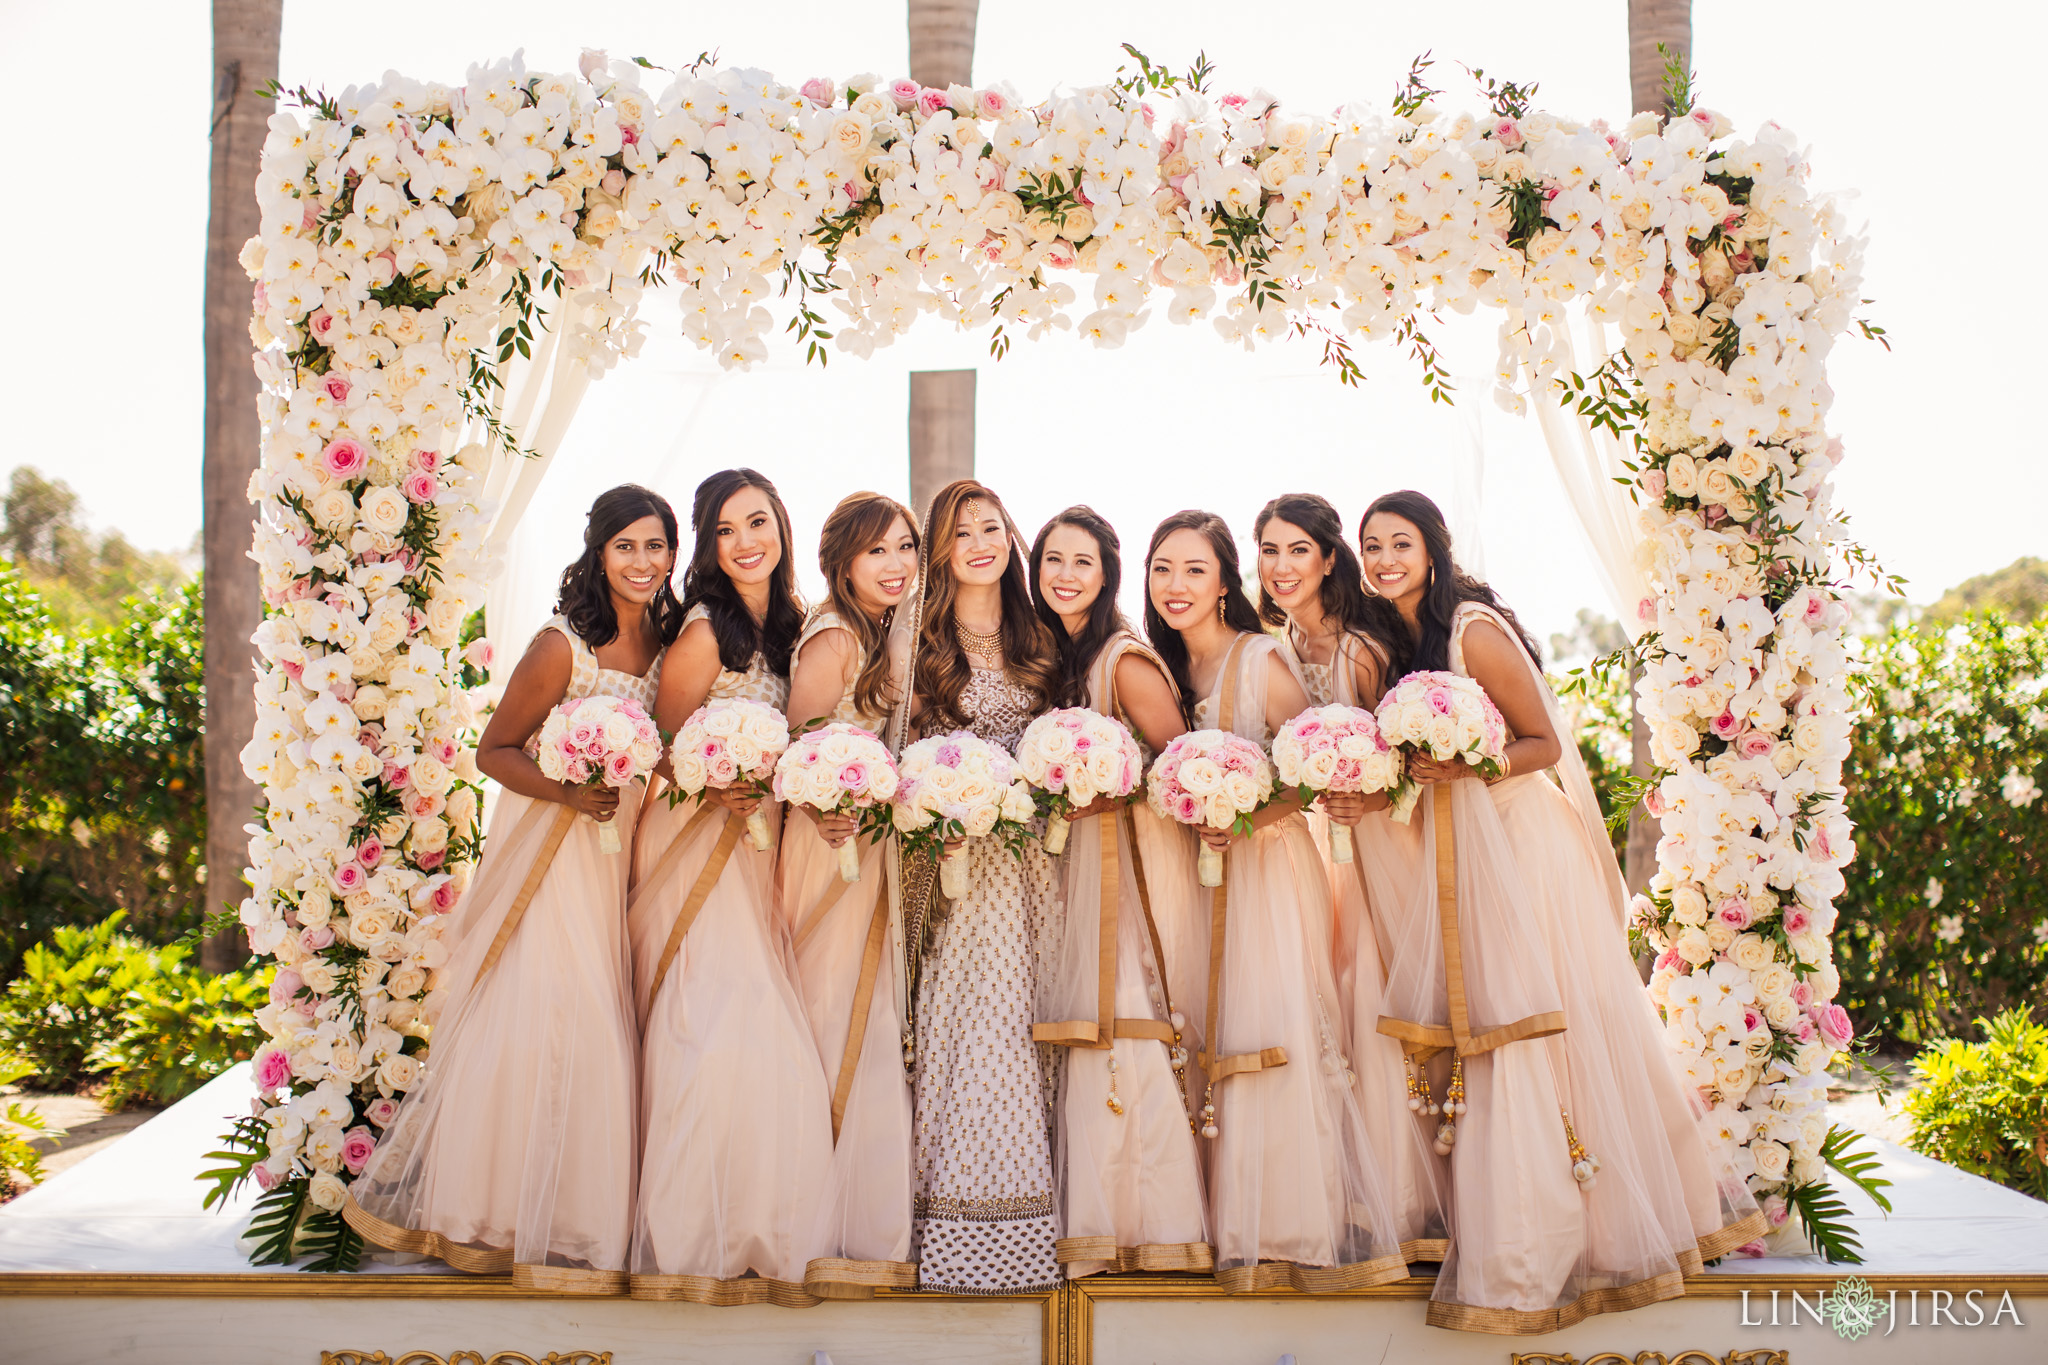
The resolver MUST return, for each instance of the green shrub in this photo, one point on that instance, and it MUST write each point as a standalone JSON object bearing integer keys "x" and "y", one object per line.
{"x": 19, "y": 1127}
{"x": 67, "y": 1004}
{"x": 1985, "y": 1105}
{"x": 1945, "y": 916}
{"x": 181, "y": 1030}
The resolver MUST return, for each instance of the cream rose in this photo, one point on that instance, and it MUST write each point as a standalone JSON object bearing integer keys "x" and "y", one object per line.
{"x": 385, "y": 510}
{"x": 326, "y": 1191}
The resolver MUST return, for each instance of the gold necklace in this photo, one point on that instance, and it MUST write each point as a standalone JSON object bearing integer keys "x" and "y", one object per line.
{"x": 989, "y": 646}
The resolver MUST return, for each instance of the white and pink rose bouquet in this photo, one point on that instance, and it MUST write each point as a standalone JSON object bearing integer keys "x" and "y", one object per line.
{"x": 731, "y": 742}
{"x": 591, "y": 740}
{"x": 1335, "y": 749}
{"x": 1444, "y": 716}
{"x": 959, "y": 786}
{"x": 1213, "y": 778}
{"x": 1071, "y": 757}
{"x": 839, "y": 769}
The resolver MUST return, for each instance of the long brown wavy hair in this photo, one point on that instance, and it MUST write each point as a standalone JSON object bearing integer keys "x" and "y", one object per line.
{"x": 1030, "y": 654}
{"x": 1105, "y": 620}
{"x": 856, "y": 526}
{"x": 1450, "y": 587}
{"x": 739, "y": 639}
{"x": 1238, "y": 612}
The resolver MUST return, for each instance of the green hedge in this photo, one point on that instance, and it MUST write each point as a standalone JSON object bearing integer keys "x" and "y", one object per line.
{"x": 102, "y": 796}
{"x": 1984, "y": 1106}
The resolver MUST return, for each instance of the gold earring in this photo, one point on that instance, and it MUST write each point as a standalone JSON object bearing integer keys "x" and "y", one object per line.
{"x": 1219, "y": 609}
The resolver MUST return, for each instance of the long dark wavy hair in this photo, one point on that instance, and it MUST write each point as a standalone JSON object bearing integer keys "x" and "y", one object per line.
{"x": 1030, "y": 654}
{"x": 1105, "y": 619}
{"x": 1449, "y": 588}
{"x": 739, "y": 639}
{"x": 1344, "y": 601}
{"x": 1238, "y": 612}
{"x": 857, "y": 525}
{"x": 584, "y": 598}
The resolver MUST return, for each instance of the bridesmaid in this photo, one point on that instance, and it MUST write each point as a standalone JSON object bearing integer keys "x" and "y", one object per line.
{"x": 517, "y": 1152}
{"x": 1297, "y": 1196}
{"x": 980, "y": 660}
{"x": 1311, "y": 584}
{"x": 1532, "y": 1249}
{"x": 1125, "y": 1162}
{"x": 735, "y": 1124}
{"x": 849, "y": 959}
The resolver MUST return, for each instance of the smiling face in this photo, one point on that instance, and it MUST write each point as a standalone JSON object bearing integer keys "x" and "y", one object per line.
{"x": 1184, "y": 580}
{"x": 881, "y": 574}
{"x": 638, "y": 560}
{"x": 749, "y": 541}
{"x": 1070, "y": 574}
{"x": 1292, "y": 566}
{"x": 1396, "y": 560}
{"x": 981, "y": 545}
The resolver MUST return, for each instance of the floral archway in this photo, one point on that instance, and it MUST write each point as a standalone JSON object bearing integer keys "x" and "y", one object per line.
{"x": 440, "y": 266}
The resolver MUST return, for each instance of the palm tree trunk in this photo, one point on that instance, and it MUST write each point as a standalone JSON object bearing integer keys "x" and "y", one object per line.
{"x": 941, "y": 401}
{"x": 245, "y": 38}
{"x": 1651, "y": 22}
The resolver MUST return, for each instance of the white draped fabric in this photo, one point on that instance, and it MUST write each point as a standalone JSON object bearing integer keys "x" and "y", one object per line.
{"x": 1588, "y": 462}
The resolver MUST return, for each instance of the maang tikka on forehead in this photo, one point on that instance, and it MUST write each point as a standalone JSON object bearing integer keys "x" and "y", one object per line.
{"x": 974, "y": 509}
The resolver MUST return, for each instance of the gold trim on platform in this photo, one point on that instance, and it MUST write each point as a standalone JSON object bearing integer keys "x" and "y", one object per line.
{"x": 568, "y": 1281}
{"x": 1199, "y": 1257}
{"x": 470, "y": 1260}
{"x": 1464, "y": 1317}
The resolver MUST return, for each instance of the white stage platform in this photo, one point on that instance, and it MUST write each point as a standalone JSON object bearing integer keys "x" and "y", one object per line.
{"x": 114, "y": 1261}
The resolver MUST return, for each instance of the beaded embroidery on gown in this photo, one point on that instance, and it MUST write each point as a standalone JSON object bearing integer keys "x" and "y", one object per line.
{"x": 982, "y": 1165}
{"x": 845, "y": 942}
{"x": 735, "y": 1123}
{"x": 517, "y": 1152}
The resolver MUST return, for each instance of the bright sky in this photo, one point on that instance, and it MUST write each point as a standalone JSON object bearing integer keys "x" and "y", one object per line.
{"x": 100, "y": 372}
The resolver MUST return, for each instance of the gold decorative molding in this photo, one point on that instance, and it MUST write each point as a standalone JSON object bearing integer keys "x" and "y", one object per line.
{"x": 465, "y": 1358}
{"x": 1763, "y": 1357}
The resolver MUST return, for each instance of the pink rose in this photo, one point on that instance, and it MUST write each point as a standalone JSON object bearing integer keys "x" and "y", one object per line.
{"x": 1776, "y": 1210}
{"x": 430, "y": 861}
{"x": 619, "y": 769}
{"x": 1507, "y": 133}
{"x": 947, "y": 755}
{"x": 443, "y": 750}
{"x": 1654, "y": 483}
{"x": 419, "y": 487}
{"x": 614, "y": 182}
{"x": 273, "y": 1068}
{"x": 426, "y": 460}
{"x": 397, "y": 775}
{"x": 904, "y": 92}
{"x": 1185, "y": 809}
{"x": 930, "y": 102}
{"x": 1834, "y": 1025}
{"x": 1059, "y": 254}
{"x": 315, "y": 940}
{"x": 381, "y": 1111}
{"x": 344, "y": 458}
{"x": 1754, "y": 744}
{"x": 348, "y": 878}
{"x": 1798, "y": 919}
{"x": 479, "y": 653}
{"x": 356, "y": 1145}
{"x": 1439, "y": 699}
{"x": 1754, "y": 1250}
{"x": 629, "y": 136}
{"x": 336, "y": 384}
{"x": 424, "y": 807}
{"x": 370, "y": 851}
{"x": 264, "y": 1179}
{"x": 321, "y": 322}
{"x": 446, "y": 895}
{"x": 1802, "y": 994}
{"x": 1670, "y": 961}
{"x": 585, "y": 734}
{"x": 1727, "y": 725}
{"x": 285, "y": 985}
{"x": 853, "y": 776}
{"x": 818, "y": 90}
{"x": 1233, "y": 102}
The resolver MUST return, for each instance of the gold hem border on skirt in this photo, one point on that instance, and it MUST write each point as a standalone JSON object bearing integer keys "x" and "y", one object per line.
{"x": 836, "y": 1277}
{"x": 1311, "y": 1279}
{"x": 719, "y": 1293}
{"x": 1427, "y": 1250}
{"x": 1120, "y": 1260}
{"x": 462, "y": 1256}
{"x": 1613, "y": 1299}
{"x": 562, "y": 1279}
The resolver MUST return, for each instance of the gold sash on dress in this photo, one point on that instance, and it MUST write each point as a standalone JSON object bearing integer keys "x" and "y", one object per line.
{"x": 1105, "y": 1028}
{"x": 1215, "y": 1066}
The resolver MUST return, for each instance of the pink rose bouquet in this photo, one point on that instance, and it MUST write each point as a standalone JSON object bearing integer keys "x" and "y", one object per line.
{"x": 590, "y": 740}
{"x": 1444, "y": 716}
{"x": 1072, "y": 756}
{"x": 959, "y": 786}
{"x": 839, "y": 769}
{"x": 1335, "y": 749}
{"x": 1213, "y": 778}
{"x": 731, "y": 743}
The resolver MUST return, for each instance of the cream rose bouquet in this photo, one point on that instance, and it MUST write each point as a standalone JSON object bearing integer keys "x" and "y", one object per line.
{"x": 959, "y": 786}
{"x": 1444, "y": 716}
{"x": 591, "y": 740}
{"x": 1071, "y": 757}
{"x": 731, "y": 742}
{"x": 1335, "y": 749}
{"x": 839, "y": 769}
{"x": 1213, "y": 778}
